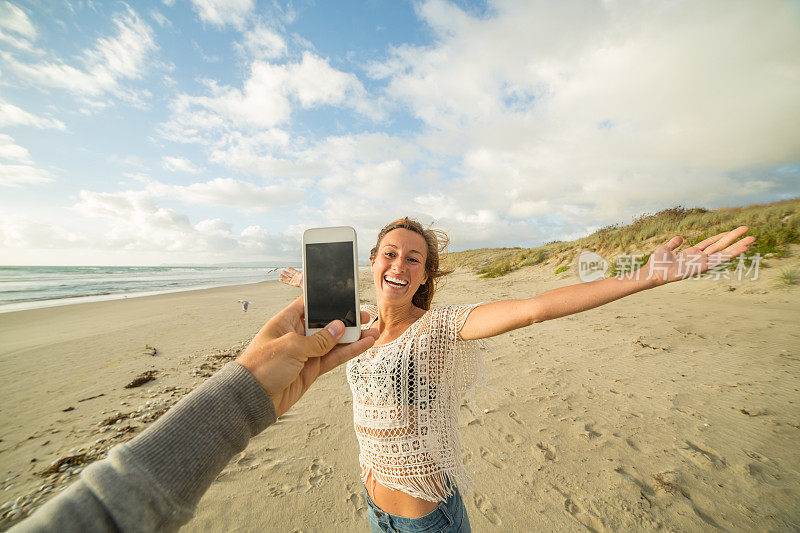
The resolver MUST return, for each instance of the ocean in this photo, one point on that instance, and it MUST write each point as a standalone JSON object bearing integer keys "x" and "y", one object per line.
{"x": 29, "y": 287}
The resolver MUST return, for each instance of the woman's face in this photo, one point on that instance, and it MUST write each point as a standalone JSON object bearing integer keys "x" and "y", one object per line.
{"x": 398, "y": 268}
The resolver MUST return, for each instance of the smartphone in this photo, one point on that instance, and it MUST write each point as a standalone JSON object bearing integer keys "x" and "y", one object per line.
{"x": 330, "y": 280}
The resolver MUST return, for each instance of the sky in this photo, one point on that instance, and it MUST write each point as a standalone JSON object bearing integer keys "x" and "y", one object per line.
{"x": 209, "y": 131}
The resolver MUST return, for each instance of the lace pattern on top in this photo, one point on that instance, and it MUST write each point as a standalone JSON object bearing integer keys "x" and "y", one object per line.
{"x": 406, "y": 397}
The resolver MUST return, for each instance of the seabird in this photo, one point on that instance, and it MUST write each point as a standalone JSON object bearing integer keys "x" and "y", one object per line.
{"x": 244, "y": 303}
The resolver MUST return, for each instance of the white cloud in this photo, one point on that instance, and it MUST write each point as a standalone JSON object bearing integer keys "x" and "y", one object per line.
{"x": 16, "y": 28}
{"x": 16, "y": 20}
{"x": 228, "y": 192}
{"x": 11, "y": 115}
{"x": 10, "y": 150}
{"x": 160, "y": 19}
{"x": 223, "y": 12}
{"x": 266, "y": 99}
{"x": 350, "y": 163}
{"x": 128, "y": 160}
{"x": 21, "y": 170}
{"x": 134, "y": 222}
{"x": 25, "y": 233}
{"x": 17, "y": 175}
{"x": 178, "y": 164}
{"x": 111, "y": 61}
{"x": 260, "y": 42}
{"x": 313, "y": 82}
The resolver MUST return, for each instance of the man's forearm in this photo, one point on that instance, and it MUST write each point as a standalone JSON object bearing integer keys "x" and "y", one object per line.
{"x": 154, "y": 482}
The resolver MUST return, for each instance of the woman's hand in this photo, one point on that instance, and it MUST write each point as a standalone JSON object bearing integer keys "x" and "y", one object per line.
{"x": 292, "y": 277}
{"x": 286, "y": 362}
{"x": 665, "y": 266}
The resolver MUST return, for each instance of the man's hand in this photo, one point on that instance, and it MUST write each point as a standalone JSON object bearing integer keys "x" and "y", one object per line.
{"x": 286, "y": 362}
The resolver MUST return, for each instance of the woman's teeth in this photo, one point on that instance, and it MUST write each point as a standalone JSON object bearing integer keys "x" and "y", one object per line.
{"x": 395, "y": 282}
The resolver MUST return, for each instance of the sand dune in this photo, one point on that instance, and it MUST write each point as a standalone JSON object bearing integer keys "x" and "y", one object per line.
{"x": 674, "y": 409}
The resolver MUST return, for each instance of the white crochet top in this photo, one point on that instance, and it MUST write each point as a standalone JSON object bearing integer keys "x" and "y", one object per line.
{"x": 406, "y": 397}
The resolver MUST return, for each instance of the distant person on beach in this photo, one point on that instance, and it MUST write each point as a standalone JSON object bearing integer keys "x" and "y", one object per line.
{"x": 154, "y": 481}
{"x": 408, "y": 386}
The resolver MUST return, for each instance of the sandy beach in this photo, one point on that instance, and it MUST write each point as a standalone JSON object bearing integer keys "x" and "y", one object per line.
{"x": 675, "y": 409}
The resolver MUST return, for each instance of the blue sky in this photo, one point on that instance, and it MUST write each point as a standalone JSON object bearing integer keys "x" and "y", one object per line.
{"x": 209, "y": 130}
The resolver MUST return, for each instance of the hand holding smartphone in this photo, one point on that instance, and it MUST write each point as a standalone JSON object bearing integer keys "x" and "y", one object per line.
{"x": 330, "y": 280}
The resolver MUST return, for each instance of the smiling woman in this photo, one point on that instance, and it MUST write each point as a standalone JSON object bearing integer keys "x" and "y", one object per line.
{"x": 426, "y": 256}
{"x": 406, "y": 389}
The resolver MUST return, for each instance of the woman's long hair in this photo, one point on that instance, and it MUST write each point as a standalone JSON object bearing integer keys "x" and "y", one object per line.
{"x": 437, "y": 241}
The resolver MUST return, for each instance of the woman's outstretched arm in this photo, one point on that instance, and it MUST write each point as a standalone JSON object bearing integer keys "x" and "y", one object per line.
{"x": 663, "y": 267}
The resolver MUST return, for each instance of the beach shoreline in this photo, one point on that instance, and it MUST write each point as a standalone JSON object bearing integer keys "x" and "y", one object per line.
{"x": 75, "y": 300}
{"x": 669, "y": 409}
{"x": 34, "y": 287}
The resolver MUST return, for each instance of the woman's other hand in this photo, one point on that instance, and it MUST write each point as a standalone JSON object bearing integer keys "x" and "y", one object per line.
{"x": 292, "y": 277}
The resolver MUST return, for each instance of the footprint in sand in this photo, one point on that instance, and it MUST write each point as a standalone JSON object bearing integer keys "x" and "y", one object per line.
{"x": 589, "y": 432}
{"x": 546, "y": 451}
{"x": 246, "y": 461}
{"x": 632, "y": 444}
{"x": 466, "y": 456}
{"x": 584, "y": 517}
{"x": 356, "y": 501}
{"x": 488, "y": 456}
{"x": 515, "y": 417}
{"x": 763, "y": 469}
{"x": 510, "y": 438}
{"x": 643, "y": 487}
{"x": 701, "y": 457}
{"x": 279, "y": 490}
{"x": 319, "y": 473}
{"x": 316, "y": 430}
{"x": 487, "y": 509}
{"x": 702, "y": 515}
{"x": 468, "y": 414}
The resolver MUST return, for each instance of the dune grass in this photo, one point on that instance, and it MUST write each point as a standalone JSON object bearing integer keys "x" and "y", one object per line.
{"x": 775, "y": 226}
{"x": 788, "y": 276}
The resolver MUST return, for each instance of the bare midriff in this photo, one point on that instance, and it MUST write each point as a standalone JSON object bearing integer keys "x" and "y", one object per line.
{"x": 397, "y": 502}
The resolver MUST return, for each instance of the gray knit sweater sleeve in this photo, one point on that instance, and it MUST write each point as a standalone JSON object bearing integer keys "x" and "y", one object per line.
{"x": 154, "y": 481}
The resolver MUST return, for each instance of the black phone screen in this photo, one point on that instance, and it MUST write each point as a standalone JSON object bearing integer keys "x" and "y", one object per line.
{"x": 330, "y": 284}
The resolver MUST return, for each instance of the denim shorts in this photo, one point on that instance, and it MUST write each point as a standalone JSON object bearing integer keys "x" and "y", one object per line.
{"x": 449, "y": 517}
